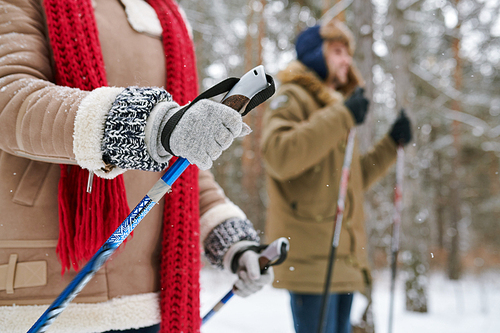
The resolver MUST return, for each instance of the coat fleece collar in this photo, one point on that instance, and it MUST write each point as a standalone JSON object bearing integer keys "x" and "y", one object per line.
{"x": 298, "y": 73}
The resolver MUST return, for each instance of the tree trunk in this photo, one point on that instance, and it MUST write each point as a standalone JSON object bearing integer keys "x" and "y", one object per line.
{"x": 253, "y": 174}
{"x": 365, "y": 60}
{"x": 454, "y": 263}
{"x": 414, "y": 199}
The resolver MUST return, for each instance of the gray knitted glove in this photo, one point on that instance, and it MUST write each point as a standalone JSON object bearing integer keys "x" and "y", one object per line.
{"x": 231, "y": 245}
{"x": 205, "y": 130}
{"x": 250, "y": 278}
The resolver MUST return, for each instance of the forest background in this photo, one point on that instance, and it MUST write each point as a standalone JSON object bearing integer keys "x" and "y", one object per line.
{"x": 438, "y": 59}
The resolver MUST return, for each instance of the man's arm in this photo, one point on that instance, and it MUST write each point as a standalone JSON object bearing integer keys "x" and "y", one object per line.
{"x": 375, "y": 163}
{"x": 292, "y": 142}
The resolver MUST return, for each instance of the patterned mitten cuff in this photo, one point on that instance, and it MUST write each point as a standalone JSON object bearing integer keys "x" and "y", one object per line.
{"x": 124, "y": 142}
{"x": 226, "y": 234}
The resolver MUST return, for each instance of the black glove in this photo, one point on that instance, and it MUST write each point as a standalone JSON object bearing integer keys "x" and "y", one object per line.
{"x": 401, "y": 129}
{"x": 358, "y": 105}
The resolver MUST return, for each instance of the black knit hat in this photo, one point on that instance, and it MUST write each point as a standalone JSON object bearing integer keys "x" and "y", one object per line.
{"x": 309, "y": 47}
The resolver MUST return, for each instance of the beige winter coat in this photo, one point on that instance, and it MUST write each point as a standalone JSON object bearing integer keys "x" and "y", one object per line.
{"x": 304, "y": 137}
{"x": 36, "y": 134}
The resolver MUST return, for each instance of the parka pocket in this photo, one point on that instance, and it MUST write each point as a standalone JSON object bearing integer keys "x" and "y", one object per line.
{"x": 316, "y": 210}
{"x": 31, "y": 182}
{"x": 15, "y": 274}
{"x": 321, "y": 209}
{"x": 349, "y": 206}
{"x": 30, "y": 273}
{"x": 20, "y": 267}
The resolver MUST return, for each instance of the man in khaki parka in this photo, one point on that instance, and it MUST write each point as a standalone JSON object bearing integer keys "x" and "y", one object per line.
{"x": 304, "y": 137}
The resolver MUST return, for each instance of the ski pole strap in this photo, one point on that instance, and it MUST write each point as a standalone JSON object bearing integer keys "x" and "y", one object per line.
{"x": 218, "y": 89}
{"x": 237, "y": 255}
{"x": 270, "y": 255}
{"x": 221, "y": 87}
{"x": 262, "y": 95}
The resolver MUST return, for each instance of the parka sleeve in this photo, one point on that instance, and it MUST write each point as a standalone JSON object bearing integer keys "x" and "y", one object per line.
{"x": 375, "y": 163}
{"x": 36, "y": 116}
{"x": 293, "y": 142}
{"x": 104, "y": 130}
{"x": 215, "y": 207}
{"x": 224, "y": 227}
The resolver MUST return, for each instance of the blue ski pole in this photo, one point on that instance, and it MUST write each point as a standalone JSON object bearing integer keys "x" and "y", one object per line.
{"x": 251, "y": 89}
{"x": 272, "y": 254}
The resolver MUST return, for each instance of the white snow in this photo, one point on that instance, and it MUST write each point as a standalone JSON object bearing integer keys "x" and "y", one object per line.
{"x": 265, "y": 311}
{"x": 469, "y": 305}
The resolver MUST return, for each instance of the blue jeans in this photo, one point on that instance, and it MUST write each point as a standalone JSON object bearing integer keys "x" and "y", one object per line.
{"x": 306, "y": 310}
{"x": 150, "y": 329}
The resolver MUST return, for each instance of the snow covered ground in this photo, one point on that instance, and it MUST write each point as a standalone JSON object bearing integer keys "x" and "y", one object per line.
{"x": 466, "y": 306}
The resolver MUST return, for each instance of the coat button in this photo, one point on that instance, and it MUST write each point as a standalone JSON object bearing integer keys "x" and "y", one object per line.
{"x": 319, "y": 218}
{"x": 317, "y": 168}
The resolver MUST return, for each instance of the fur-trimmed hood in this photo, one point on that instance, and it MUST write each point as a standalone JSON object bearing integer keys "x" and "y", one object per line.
{"x": 296, "y": 72}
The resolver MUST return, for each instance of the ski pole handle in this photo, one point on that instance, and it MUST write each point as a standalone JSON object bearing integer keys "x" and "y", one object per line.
{"x": 263, "y": 83}
{"x": 249, "y": 85}
{"x": 273, "y": 254}
{"x": 242, "y": 92}
{"x": 269, "y": 255}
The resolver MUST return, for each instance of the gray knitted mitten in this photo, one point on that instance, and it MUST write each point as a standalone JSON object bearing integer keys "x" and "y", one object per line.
{"x": 205, "y": 130}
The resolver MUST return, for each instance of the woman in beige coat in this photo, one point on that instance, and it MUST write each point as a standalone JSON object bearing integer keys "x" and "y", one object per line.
{"x": 304, "y": 138}
{"x": 88, "y": 119}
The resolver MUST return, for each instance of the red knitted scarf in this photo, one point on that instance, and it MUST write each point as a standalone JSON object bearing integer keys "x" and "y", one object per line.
{"x": 87, "y": 220}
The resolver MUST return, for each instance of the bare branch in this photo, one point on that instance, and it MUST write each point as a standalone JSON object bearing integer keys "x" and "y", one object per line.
{"x": 338, "y": 8}
{"x": 466, "y": 119}
{"x": 448, "y": 91}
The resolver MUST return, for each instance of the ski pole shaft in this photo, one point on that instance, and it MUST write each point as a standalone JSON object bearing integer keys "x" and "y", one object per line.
{"x": 274, "y": 254}
{"x": 344, "y": 179}
{"x": 161, "y": 187}
{"x": 258, "y": 81}
{"x": 398, "y": 199}
{"x": 217, "y": 306}
{"x": 396, "y": 226}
